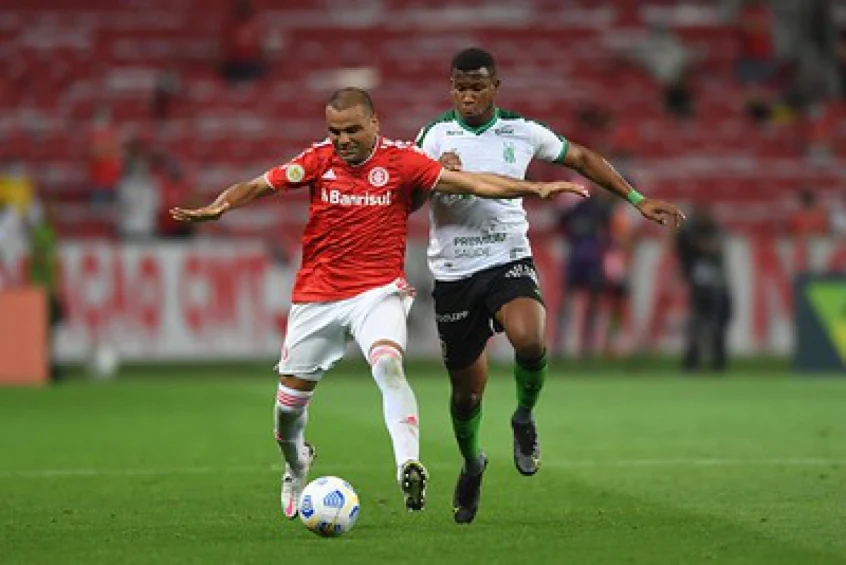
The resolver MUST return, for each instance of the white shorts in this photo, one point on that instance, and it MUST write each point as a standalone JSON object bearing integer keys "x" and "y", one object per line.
{"x": 318, "y": 332}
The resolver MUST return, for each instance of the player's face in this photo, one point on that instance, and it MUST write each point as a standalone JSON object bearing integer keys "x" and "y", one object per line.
{"x": 353, "y": 132}
{"x": 473, "y": 93}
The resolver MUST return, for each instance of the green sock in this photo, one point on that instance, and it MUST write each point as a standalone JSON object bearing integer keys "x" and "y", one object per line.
{"x": 466, "y": 428}
{"x": 529, "y": 376}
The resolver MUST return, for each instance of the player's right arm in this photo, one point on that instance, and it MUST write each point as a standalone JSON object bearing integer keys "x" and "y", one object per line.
{"x": 487, "y": 185}
{"x": 237, "y": 195}
{"x": 298, "y": 172}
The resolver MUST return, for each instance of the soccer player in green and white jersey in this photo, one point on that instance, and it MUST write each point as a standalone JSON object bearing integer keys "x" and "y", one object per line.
{"x": 479, "y": 254}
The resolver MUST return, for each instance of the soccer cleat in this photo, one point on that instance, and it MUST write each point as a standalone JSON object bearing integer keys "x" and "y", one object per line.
{"x": 413, "y": 480}
{"x": 293, "y": 484}
{"x": 468, "y": 490}
{"x": 527, "y": 456}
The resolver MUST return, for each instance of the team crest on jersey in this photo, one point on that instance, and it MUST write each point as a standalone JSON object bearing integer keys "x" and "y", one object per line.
{"x": 378, "y": 177}
{"x": 508, "y": 153}
{"x": 294, "y": 172}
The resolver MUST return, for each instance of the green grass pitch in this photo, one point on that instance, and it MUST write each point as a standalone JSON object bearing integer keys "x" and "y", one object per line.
{"x": 179, "y": 466}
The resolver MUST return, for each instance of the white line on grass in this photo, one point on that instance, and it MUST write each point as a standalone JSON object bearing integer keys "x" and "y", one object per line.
{"x": 561, "y": 464}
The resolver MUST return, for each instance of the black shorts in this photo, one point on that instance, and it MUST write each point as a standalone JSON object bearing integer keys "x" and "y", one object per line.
{"x": 465, "y": 309}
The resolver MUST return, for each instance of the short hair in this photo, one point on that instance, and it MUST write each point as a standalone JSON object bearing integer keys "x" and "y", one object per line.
{"x": 473, "y": 59}
{"x": 349, "y": 97}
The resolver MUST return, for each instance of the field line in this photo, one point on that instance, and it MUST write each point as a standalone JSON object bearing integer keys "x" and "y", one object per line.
{"x": 355, "y": 466}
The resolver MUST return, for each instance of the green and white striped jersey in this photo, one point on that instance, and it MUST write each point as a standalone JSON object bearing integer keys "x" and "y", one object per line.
{"x": 468, "y": 234}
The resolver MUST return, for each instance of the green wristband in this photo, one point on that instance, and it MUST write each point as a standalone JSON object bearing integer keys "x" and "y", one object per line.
{"x": 635, "y": 197}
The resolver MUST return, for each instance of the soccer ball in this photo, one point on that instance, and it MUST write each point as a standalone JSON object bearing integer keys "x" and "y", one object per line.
{"x": 104, "y": 362}
{"x": 329, "y": 506}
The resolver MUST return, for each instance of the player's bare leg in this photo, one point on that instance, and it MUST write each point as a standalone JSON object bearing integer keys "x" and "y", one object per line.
{"x": 524, "y": 321}
{"x": 290, "y": 416}
{"x": 468, "y": 387}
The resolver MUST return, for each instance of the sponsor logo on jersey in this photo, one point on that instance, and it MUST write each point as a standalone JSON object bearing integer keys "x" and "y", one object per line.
{"x": 294, "y": 172}
{"x": 473, "y": 252}
{"x": 329, "y": 175}
{"x": 378, "y": 177}
{"x": 504, "y": 130}
{"x": 454, "y": 132}
{"x": 335, "y": 196}
{"x": 472, "y": 240}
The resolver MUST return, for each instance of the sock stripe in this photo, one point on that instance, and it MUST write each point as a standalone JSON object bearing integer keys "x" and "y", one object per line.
{"x": 383, "y": 351}
{"x": 292, "y": 397}
{"x": 289, "y": 400}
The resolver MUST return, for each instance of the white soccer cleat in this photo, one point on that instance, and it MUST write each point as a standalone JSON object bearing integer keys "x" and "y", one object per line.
{"x": 293, "y": 485}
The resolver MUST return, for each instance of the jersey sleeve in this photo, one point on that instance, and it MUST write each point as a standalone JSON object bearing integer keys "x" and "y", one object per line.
{"x": 419, "y": 171}
{"x": 548, "y": 145}
{"x": 300, "y": 171}
{"x": 427, "y": 141}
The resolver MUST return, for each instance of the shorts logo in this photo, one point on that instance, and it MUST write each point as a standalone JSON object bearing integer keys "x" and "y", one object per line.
{"x": 443, "y": 350}
{"x": 378, "y": 177}
{"x": 520, "y": 271}
{"x": 452, "y": 316}
{"x": 294, "y": 172}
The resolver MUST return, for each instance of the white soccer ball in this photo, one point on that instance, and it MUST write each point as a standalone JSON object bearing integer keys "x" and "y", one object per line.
{"x": 329, "y": 506}
{"x": 104, "y": 362}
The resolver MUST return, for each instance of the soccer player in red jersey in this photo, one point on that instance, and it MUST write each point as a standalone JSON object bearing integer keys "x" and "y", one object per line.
{"x": 351, "y": 280}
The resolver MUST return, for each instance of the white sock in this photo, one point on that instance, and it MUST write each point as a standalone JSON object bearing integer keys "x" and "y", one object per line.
{"x": 290, "y": 417}
{"x": 398, "y": 403}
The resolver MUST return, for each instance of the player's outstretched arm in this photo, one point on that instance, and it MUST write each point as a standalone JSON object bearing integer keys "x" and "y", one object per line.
{"x": 235, "y": 196}
{"x": 593, "y": 166}
{"x": 487, "y": 185}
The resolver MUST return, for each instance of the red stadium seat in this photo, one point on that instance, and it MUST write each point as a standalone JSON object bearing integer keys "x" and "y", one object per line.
{"x": 553, "y": 59}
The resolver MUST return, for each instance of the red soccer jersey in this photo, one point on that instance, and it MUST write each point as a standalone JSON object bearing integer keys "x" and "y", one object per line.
{"x": 358, "y": 216}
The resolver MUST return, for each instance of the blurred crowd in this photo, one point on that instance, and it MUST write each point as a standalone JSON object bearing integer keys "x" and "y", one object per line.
{"x": 791, "y": 72}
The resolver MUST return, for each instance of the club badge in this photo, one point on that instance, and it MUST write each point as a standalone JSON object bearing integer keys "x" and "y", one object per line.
{"x": 378, "y": 177}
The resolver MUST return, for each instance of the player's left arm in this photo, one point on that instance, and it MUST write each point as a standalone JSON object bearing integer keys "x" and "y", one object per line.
{"x": 593, "y": 166}
{"x": 554, "y": 148}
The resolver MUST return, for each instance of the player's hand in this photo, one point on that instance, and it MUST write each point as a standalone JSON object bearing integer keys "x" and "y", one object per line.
{"x": 661, "y": 212}
{"x": 549, "y": 190}
{"x": 450, "y": 161}
{"x": 204, "y": 214}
